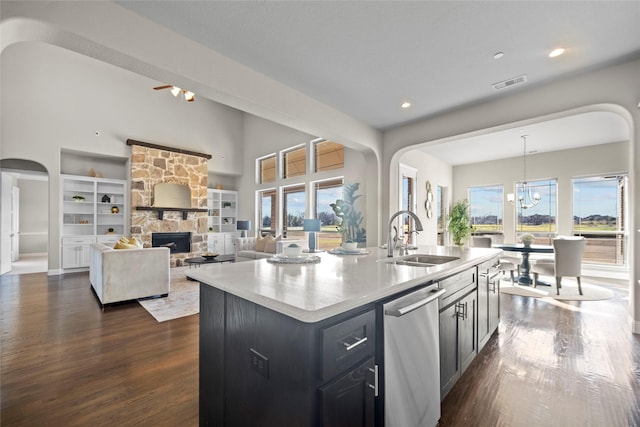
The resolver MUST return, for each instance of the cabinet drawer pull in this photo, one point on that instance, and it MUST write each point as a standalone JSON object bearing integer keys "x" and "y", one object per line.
{"x": 374, "y": 386}
{"x": 355, "y": 344}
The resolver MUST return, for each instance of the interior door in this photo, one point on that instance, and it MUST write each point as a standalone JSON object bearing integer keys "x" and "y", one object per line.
{"x": 407, "y": 202}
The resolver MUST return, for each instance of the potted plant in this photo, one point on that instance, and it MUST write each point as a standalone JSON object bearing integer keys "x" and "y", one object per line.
{"x": 348, "y": 216}
{"x": 459, "y": 222}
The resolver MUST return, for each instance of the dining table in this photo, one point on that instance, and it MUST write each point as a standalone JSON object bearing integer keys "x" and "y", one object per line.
{"x": 525, "y": 266}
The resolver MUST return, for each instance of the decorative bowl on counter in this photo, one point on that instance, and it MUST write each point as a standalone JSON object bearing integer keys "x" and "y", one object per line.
{"x": 293, "y": 250}
{"x": 349, "y": 246}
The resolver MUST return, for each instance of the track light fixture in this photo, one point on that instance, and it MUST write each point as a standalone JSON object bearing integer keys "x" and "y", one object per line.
{"x": 175, "y": 91}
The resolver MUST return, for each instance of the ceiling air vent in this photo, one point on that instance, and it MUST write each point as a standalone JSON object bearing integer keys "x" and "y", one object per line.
{"x": 510, "y": 82}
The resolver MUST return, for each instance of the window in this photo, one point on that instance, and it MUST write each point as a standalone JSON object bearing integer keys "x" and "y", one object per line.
{"x": 295, "y": 162}
{"x": 267, "y": 212}
{"x": 267, "y": 169}
{"x": 293, "y": 211}
{"x": 328, "y": 156}
{"x": 599, "y": 215}
{"x": 326, "y": 193}
{"x": 486, "y": 208}
{"x": 539, "y": 220}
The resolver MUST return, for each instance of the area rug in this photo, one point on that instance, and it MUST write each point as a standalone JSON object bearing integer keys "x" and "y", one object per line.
{"x": 568, "y": 291}
{"x": 183, "y": 299}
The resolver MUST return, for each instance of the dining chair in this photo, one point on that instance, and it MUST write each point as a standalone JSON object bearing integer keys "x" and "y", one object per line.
{"x": 567, "y": 262}
{"x": 509, "y": 264}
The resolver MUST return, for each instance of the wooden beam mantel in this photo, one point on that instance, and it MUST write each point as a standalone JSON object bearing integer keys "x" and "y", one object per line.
{"x": 185, "y": 211}
{"x": 162, "y": 147}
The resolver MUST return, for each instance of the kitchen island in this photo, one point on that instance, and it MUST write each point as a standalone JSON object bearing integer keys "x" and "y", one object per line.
{"x": 297, "y": 344}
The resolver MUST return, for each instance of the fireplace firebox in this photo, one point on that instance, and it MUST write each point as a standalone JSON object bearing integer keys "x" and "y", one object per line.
{"x": 176, "y": 242}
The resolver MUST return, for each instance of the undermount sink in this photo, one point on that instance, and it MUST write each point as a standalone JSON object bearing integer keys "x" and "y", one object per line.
{"x": 420, "y": 260}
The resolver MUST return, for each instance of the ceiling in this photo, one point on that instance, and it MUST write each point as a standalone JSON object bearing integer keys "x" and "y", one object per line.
{"x": 365, "y": 58}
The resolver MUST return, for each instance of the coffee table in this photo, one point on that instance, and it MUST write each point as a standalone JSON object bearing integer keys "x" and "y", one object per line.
{"x": 198, "y": 261}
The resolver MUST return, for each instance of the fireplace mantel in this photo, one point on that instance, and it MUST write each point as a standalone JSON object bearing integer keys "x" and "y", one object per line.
{"x": 185, "y": 211}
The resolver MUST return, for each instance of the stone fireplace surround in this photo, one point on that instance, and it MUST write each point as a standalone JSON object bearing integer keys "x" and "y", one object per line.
{"x": 152, "y": 164}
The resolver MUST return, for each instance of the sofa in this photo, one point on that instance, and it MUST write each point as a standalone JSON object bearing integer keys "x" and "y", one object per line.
{"x": 126, "y": 274}
{"x": 245, "y": 248}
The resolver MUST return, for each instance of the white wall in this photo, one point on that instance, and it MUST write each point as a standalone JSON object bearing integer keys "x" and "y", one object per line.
{"x": 55, "y": 100}
{"x": 438, "y": 173}
{"x": 563, "y": 165}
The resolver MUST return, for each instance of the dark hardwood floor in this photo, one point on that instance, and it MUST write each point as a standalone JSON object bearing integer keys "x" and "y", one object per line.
{"x": 65, "y": 362}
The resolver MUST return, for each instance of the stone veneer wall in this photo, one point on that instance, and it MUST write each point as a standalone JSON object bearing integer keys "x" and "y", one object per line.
{"x": 151, "y": 166}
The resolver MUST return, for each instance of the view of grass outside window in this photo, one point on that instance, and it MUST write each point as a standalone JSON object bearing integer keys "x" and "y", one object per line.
{"x": 293, "y": 211}
{"x": 539, "y": 220}
{"x": 295, "y": 162}
{"x": 327, "y": 192}
{"x": 267, "y": 212}
{"x": 328, "y": 156}
{"x": 486, "y": 208}
{"x": 599, "y": 216}
{"x": 267, "y": 169}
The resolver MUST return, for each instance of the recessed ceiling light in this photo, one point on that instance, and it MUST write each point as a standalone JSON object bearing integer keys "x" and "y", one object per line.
{"x": 405, "y": 104}
{"x": 556, "y": 52}
{"x": 498, "y": 55}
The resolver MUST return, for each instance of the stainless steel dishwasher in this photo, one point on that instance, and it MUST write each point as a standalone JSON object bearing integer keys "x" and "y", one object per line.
{"x": 412, "y": 359}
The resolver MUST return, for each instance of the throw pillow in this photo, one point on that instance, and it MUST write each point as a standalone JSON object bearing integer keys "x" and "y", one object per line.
{"x": 260, "y": 242}
{"x": 126, "y": 243}
{"x": 272, "y": 244}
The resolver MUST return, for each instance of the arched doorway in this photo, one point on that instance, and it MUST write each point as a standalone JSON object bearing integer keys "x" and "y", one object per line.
{"x": 24, "y": 218}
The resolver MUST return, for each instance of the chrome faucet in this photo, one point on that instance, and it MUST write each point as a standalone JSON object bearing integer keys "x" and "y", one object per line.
{"x": 391, "y": 247}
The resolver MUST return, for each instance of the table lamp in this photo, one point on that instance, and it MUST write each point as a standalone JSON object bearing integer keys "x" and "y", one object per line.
{"x": 243, "y": 226}
{"x": 312, "y": 226}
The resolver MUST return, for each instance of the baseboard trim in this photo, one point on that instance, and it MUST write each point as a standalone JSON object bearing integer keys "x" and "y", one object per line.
{"x": 55, "y": 272}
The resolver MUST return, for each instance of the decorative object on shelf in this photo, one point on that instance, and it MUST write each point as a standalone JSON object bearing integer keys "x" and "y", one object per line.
{"x": 459, "y": 222}
{"x": 219, "y": 187}
{"x": 428, "y": 204}
{"x": 226, "y": 204}
{"x": 83, "y": 221}
{"x": 350, "y": 218}
{"x": 110, "y": 230}
{"x": 115, "y": 209}
{"x": 527, "y": 239}
{"x": 210, "y": 228}
{"x": 106, "y": 199}
{"x": 311, "y": 226}
{"x": 243, "y": 226}
{"x": 77, "y": 198}
{"x": 526, "y": 199}
{"x": 92, "y": 173}
{"x": 302, "y": 259}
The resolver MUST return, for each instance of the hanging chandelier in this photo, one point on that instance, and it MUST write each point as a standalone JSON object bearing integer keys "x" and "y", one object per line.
{"x": 526, "y": 199}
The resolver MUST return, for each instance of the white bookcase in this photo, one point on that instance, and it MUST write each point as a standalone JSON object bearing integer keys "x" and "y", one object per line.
{"x": 222, "y": 212}
{"x": 222, "y": 206}
{"x": 92, "y": 209}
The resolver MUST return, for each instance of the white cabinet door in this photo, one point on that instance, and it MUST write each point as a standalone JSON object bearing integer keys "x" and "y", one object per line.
{"x": 76, "y": 256}
{"x": 215, "y": 243}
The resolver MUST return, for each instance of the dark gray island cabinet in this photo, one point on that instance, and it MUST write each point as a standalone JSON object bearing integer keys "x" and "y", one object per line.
{"x": 270, "y": 357}
{"x": 262, "y": 368}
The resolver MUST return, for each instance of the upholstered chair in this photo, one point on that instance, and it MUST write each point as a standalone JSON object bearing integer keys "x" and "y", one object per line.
{"x": 567, "y": 262}
{"x": 506, "y": 263}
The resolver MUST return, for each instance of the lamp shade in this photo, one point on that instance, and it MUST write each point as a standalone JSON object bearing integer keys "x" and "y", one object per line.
{"x": 243, "y": 225}
{"x": 311, "y": 225}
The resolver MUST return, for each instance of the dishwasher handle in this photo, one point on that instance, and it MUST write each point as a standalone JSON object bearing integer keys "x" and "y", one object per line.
{"x": 398, "y": 312}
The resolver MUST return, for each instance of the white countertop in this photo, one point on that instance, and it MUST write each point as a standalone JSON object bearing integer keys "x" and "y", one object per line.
{"x": 339, "y": 283}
